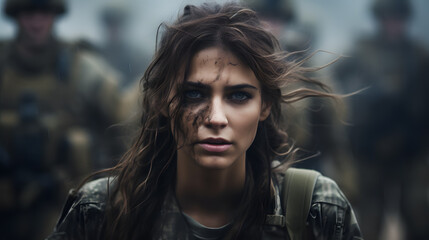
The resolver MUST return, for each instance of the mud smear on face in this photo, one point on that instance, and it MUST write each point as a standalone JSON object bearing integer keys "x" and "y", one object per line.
{"x": 221, "y": 66}
{"x": 197, "y": 117}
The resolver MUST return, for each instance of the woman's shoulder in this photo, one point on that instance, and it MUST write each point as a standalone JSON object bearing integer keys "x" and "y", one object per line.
{"x": 83, "y": 213}
{"x": 326, "y": 190}
{"x": 95, "y": 191}
{"x": 330, "y": 214}
{"x": 322, "y": 188}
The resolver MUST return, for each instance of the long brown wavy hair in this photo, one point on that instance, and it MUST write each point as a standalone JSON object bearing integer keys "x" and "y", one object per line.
{"x": 148, "y": 170}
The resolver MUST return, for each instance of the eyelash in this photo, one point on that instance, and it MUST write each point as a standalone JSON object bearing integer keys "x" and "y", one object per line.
{"x": 244, "y": 96}
{"x": 235, "y": 97}
{"x": 188, "y": 94}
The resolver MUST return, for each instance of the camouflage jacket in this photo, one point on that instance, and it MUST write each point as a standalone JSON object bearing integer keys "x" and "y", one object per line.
{"x": 330, "y": 217}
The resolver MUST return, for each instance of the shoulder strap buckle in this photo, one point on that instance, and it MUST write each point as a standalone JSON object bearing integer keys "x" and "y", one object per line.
{"x": 297, "y": 193}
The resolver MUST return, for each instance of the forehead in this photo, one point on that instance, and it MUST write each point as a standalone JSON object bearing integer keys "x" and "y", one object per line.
{"x": 217, "y": 65}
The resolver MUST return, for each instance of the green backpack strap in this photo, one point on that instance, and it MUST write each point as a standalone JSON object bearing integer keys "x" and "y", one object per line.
{"x": 298, "y": 188}
{"x": 298, "y": 185}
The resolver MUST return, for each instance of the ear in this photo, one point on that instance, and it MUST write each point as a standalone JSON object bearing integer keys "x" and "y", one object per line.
{"x": 265, "y": 111}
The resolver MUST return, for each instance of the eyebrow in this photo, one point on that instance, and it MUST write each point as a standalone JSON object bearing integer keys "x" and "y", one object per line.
{"x": 241, "y": 86}
{"x": 206, "y": 86}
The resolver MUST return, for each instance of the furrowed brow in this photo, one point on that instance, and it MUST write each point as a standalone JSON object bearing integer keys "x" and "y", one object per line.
{"x": 196, "y": 85}
{"x": 241, "y": 86}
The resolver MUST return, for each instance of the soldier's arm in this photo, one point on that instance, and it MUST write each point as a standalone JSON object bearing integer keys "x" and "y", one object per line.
{"x": 98, "y": 84}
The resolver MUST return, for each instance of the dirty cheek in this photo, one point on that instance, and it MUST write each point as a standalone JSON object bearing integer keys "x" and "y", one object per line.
{"x": 195, "y": 115}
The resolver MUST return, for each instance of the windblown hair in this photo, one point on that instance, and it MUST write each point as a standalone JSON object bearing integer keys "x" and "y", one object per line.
{"x": 148, "y": 170}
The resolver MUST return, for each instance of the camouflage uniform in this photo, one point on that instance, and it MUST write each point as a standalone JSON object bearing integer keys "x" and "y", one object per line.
{"x": 389, "y": 133}
{"x": 330, "y": 217}
{"x": 54, "y": 108}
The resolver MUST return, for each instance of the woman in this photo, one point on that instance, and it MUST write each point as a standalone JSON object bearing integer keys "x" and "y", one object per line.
{"x": 201, "y": 167}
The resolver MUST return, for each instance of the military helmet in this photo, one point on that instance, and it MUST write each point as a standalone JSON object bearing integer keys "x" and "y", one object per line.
{"x": 280, "y": 9}
{"x": 114, "y": 13}
{"x": 395, "y": 8}
{"x": 13, "y": 7}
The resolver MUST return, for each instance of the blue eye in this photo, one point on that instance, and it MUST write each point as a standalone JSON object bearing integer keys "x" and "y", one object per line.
{"x": 240, "y": 96}
{"x": 193, "y": 94}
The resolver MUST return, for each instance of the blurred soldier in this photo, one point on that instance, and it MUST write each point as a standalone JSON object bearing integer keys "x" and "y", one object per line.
{"x": 128, "y": 60}
{"x": 313, "y": 124}
{"x": 282, "y": 21}
{"x": 389, "y": 130}
{"x": 55, "y": 102}
{"x": 280, "y": 18}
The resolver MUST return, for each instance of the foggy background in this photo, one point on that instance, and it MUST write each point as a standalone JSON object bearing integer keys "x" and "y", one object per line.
{"x": 335, "y": 26}
{"x": 335, "y": 23}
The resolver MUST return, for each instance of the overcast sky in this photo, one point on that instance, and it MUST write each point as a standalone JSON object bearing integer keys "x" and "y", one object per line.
{"x": 336, "y": 23}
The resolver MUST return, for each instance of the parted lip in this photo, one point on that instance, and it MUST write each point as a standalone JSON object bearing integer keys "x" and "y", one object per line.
{"x": 217, "y": 141}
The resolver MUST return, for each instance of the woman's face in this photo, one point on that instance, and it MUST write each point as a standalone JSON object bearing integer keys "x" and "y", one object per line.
{"x": 223, "y": 108}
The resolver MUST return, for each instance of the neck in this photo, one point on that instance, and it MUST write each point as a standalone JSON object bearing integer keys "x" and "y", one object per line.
{"x": 32, "y": 47}
{"x": 209, "y": 195}
{"x": 33, "y": 58}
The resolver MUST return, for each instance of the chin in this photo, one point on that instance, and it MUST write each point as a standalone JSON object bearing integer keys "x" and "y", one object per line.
{"x": 215, "y": 162}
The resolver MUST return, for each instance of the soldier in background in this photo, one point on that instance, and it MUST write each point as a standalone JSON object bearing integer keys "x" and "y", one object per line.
{"x": 56, "y": 100}
{"x": 389, "y": 130}
{"x": 314, "y": 125}
{"x": 281, "y": 18}
{"x": 119, "y": 53}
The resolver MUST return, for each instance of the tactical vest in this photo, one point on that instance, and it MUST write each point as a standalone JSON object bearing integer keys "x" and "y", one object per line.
{"x": 49, "y": 104}
{"x": 40, "y": 117}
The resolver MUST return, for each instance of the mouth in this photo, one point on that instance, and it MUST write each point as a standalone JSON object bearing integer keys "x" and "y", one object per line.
{"x": 215, "y": 141}
{"x": 215, "y": 144}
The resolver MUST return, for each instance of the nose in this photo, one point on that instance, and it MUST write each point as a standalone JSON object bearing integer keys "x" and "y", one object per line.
{"x": 216, "y": 118}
